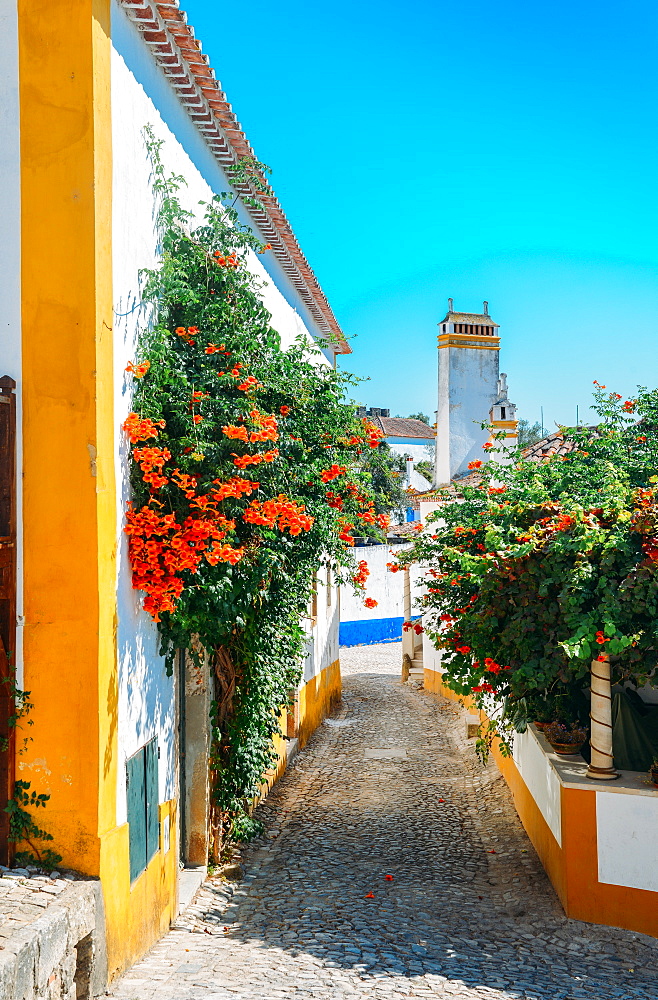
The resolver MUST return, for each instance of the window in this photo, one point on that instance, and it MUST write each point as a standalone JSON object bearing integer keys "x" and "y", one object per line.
{"x": 142, "y": 795}
{"x": 502, "y": 413}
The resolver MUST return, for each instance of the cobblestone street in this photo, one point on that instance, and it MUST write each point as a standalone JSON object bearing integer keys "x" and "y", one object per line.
{"x": 392, "y": 865}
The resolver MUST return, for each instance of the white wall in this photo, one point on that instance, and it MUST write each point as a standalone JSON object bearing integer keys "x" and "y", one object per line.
{"x": 141, "y": 96}
{"x": 626, "y": 828}
{"x": 468, "y": 379}
{"x": 385, "y": 587}
{"x": 422, "y": 451}
{"x": 10, "y": 261}
{"x": 540, "y": 778}
{"x": 322, "y": 642}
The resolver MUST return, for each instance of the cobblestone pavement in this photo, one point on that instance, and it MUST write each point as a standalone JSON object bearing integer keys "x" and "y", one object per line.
{"x": 393, "y": 865}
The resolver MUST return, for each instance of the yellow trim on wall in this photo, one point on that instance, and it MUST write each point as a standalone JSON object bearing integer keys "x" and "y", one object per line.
{"x": 316, "y": 699}
{"x": 69, "y": 509}
{"x": 138, "y": 914}
{"x": 473, "y": 341}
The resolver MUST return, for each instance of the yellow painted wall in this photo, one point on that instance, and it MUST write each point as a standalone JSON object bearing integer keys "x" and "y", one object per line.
{"x": 315, "y": 700}
{"x": 138, "y": 914}
{"x": 69, "y": 512}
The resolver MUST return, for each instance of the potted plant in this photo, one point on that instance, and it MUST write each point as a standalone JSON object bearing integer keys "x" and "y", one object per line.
{"x": 565, "y": 739}
{"x": 653, "y": 771}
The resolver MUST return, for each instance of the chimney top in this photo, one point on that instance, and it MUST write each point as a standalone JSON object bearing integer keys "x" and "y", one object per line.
{"x": 450, "y": 309}
{"x": 486, "y": 308}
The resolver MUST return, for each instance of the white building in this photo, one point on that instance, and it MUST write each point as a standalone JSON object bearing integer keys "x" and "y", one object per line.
{"x": 469, "y": 391}
{"x": 119, "y": 745}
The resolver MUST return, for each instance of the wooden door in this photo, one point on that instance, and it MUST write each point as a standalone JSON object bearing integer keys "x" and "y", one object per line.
{"x": 7, "y": 598}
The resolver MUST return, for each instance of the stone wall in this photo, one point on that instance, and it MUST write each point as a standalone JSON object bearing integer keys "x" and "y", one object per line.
{"x": 59, "y": 953}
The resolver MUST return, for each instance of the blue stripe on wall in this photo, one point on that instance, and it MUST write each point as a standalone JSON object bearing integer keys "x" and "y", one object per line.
{"x": 366, "y": 633}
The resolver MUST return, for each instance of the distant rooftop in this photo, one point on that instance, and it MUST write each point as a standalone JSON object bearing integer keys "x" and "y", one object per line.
{"x": 405, "y": 427}
{"x": 474, "y": 319}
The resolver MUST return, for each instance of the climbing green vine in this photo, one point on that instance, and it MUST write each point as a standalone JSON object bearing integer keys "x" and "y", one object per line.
{"x": 247, "y": 473}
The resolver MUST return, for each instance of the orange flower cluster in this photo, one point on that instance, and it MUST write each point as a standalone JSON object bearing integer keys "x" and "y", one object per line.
{"x": 139, "y": 370}
{"x": 214, "y": 349}
{"x": 187, "y": 334}
{"x": 373, "y": 434}
{"x": 344, "y": 533}
{"x": 335, "y": 500}
{"x": 248, "y": 383}
{"x": 235, "y": 433}
{"x": 361, "y": 575}
{"x": 160, "y": 550}
{"x": 184, "y": 482}
{"x": 268, "y": 427}
{"x": 235, "y": 487}
{"x": 384, "y": 521}
{"x": 487, "y": 445}
{"x": 475, "y": 465}
{"x": 266, "y": 246}
{"x": 226, "y": 260}
{"x": 333, "y": 472}
{"x": 281, "y": 513}
{"x": 416, "y": 626}
{"x": 370, "y": 602}
{"x": 492, "y": 667}
{"x": 151, "y": 462}
{"x": 139, "y": 429}
{"x": 243, "y": 461}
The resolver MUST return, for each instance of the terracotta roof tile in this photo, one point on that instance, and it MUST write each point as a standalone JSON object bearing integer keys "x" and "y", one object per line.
{"x": 404, "y": 427}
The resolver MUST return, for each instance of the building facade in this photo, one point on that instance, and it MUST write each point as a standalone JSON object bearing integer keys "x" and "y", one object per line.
{"x": 469, "y": 388}
{"x": 114, "y": 737}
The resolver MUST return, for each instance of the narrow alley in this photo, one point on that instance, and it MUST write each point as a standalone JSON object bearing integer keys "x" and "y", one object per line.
{"x": 392, "y": 865}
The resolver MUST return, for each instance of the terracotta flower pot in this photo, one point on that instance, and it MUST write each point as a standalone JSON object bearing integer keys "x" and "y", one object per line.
{"x": 541, "y": 725}
{"x": 567, "y": 749}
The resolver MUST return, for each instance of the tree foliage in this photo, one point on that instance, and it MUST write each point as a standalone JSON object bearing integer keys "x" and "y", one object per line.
{"x": 529, "y": 433}
{"x": 542, "y": 567}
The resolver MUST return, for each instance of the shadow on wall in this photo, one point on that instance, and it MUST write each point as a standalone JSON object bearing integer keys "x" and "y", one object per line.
{"x": 146, "y": 694}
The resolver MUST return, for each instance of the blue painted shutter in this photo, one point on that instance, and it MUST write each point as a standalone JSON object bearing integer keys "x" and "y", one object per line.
{"x": 136, "y": 791}
{"x": 151, "y": 799}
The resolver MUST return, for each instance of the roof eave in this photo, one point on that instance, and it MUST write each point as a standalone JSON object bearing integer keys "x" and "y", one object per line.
{"x": 178, "y": 54}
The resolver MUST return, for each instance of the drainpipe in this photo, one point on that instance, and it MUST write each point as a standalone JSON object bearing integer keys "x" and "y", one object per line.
{"x": 601, "y": 767}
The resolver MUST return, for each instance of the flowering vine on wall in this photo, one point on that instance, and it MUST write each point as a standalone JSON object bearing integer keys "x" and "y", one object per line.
{"x": 249, "y": 470}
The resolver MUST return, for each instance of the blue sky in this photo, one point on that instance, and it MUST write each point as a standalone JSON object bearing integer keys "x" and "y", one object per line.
{"x": 503, "y": 151}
